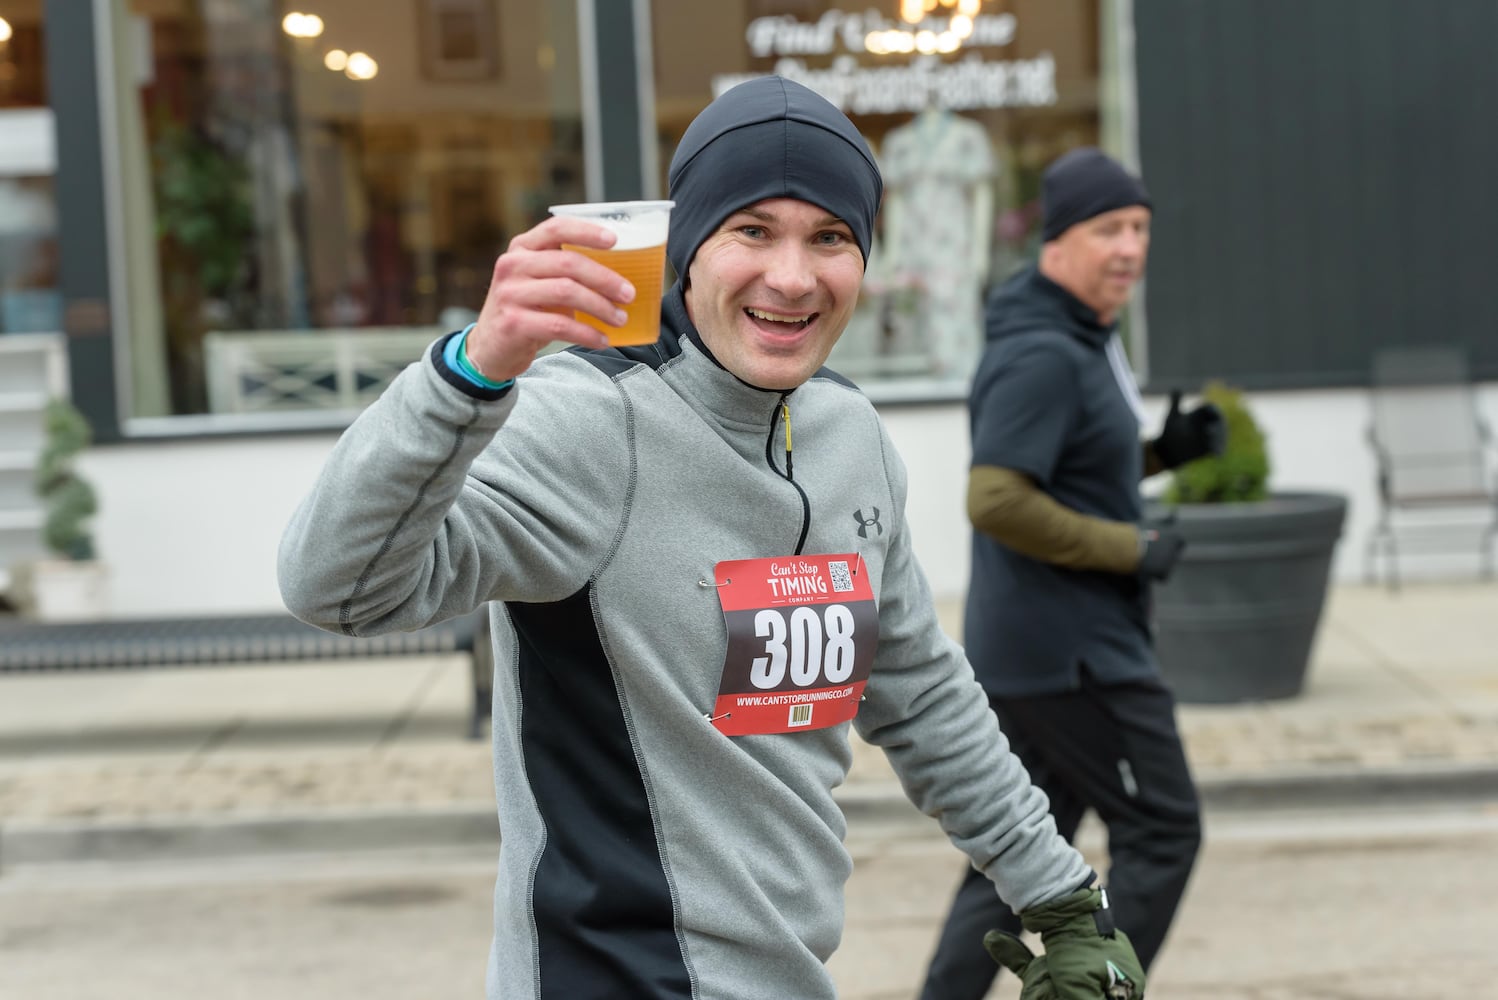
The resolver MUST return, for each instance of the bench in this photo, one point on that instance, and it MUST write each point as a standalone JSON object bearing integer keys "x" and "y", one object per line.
{"x": 28, "y": 646}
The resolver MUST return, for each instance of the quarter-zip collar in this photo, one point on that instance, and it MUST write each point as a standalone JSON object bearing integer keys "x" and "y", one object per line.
{"x": 727, "y": 400}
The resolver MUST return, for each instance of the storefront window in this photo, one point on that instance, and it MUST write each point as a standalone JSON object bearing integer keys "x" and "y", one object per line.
{"x": 964, "y": 103}
{"x": 311, "y": 195}
{"x": 29, "y": 300}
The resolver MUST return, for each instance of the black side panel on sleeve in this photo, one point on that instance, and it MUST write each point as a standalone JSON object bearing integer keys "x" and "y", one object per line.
{"x": 605, "y": 919}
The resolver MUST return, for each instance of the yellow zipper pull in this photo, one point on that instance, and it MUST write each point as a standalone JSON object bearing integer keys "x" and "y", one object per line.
{"x": 785, "y": 411}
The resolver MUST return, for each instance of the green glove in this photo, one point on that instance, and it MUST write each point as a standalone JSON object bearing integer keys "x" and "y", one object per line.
{"x": 1086, "y": 957}
{"x": 1010, "y": 952}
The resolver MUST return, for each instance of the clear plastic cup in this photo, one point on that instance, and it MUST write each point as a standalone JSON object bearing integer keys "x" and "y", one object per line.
{"x": 639, "y": 256}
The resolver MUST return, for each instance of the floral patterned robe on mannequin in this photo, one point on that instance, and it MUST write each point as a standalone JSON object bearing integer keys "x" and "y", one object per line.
{"x": 938, "y": 204}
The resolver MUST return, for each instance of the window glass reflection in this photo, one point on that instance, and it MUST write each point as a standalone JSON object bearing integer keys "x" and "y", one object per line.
{"x": 29, "y": 299}
{"x": 965, "y": 104}
{"x": 328, "y": 187}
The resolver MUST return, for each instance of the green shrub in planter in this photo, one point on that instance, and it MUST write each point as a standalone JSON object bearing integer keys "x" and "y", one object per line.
{"x": 68, "y": 498}
{"x": 1241, "y": 473}
{"x": 1237, "y": 619}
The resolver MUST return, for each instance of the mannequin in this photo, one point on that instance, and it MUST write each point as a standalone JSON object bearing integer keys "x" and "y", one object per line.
{"x": 938, "y": 205}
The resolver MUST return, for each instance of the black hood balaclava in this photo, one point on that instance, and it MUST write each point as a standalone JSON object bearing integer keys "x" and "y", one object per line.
{"x": 1029, "y": 302}
{"x": 768, "y": 138}
{"x": 1084, "y": 184}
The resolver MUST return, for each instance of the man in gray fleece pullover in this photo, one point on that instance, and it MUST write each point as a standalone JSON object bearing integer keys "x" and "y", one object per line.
{"x": 685, "y": 622}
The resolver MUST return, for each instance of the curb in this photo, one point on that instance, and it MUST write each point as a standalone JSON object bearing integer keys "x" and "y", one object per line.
{"x": 1286, "y": 788}
{"x": 1333, "y": 787}
{"x": 182, "y": 838}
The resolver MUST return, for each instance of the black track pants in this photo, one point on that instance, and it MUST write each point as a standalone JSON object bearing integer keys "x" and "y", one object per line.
{"x": 1114, "y": 750}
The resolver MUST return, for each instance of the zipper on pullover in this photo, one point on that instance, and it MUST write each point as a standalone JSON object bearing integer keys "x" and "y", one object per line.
{"x": 783, "y": 411}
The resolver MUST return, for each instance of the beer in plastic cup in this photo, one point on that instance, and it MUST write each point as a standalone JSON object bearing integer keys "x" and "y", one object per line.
{"x": 639, "y": 256}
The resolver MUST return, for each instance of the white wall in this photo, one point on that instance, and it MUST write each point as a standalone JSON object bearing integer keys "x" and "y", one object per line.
{"x": 192, "y": 527}
{"x": 1316, "y": 442}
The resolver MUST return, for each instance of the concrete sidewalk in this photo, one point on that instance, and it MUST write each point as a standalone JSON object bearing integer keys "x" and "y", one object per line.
{"x": 1402, "y": 699}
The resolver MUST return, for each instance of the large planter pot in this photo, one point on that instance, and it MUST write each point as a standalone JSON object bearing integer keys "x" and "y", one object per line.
{"x": 1238, "y": 617}
{"x": 60, "y": 590}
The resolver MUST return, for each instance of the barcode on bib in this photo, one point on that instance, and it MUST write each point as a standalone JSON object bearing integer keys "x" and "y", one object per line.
{"x": 800, "y": 716}
{"x": 842, "y": 582}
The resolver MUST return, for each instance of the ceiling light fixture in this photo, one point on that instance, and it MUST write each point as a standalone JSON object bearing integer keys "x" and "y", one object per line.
{"x": 361, "y": 66}
{"x": 299, "y": 25}
{"x": 913, "y": 12}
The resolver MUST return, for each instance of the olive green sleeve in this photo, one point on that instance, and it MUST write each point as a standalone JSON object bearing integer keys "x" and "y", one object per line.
{"x": 1009, "y": 508}
{"x": 1152, "y": 464}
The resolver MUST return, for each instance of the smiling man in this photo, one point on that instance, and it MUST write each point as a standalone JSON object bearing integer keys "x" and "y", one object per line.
{"x": 688, "y": 615}
{"x": 772, "y": 290}
{"x": 1057, "y": 619}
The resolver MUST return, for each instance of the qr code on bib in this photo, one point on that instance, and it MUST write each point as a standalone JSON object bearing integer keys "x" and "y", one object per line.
{"x": 842, "y": 581}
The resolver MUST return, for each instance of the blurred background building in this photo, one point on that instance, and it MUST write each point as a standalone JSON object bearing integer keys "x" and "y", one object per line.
{"x": 233, "y": 221}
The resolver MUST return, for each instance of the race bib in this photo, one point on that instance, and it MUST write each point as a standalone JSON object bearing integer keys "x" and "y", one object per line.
{"x": 802, "y": 631}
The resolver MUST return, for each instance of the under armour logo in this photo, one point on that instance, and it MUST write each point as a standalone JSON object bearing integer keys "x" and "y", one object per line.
{"x": 865, "y": 523}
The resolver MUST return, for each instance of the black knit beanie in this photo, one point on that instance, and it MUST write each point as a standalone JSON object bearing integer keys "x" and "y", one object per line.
{"x": 1085, "y": 183}
{"x": 769, "y": 138}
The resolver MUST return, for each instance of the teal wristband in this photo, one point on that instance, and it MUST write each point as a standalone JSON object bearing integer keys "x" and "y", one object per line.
{"x": 458, "y": 357}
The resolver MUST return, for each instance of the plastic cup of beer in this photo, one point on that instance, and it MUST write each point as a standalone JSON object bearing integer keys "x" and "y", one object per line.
{"x": 639, "y": 256}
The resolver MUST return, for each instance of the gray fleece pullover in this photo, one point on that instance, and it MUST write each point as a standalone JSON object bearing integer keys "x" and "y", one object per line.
{"x": 644, "y": 853}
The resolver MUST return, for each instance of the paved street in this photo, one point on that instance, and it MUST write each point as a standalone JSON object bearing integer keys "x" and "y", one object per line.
{"x": 241, "y": 768}
{"x": 1360, "y": 905}
{"x": 1403, "y": 690}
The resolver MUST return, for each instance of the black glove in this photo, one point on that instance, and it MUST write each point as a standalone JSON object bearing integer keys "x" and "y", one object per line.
{"x": 1190, "y": 435}
{"x": 1162, "y": 550}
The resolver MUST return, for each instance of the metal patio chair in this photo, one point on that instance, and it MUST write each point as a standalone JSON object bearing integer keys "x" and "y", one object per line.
{"x": 1432, "y": 448}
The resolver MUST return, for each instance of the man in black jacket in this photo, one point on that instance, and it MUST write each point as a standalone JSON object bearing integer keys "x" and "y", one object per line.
{"x": 1057, "y": 618}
